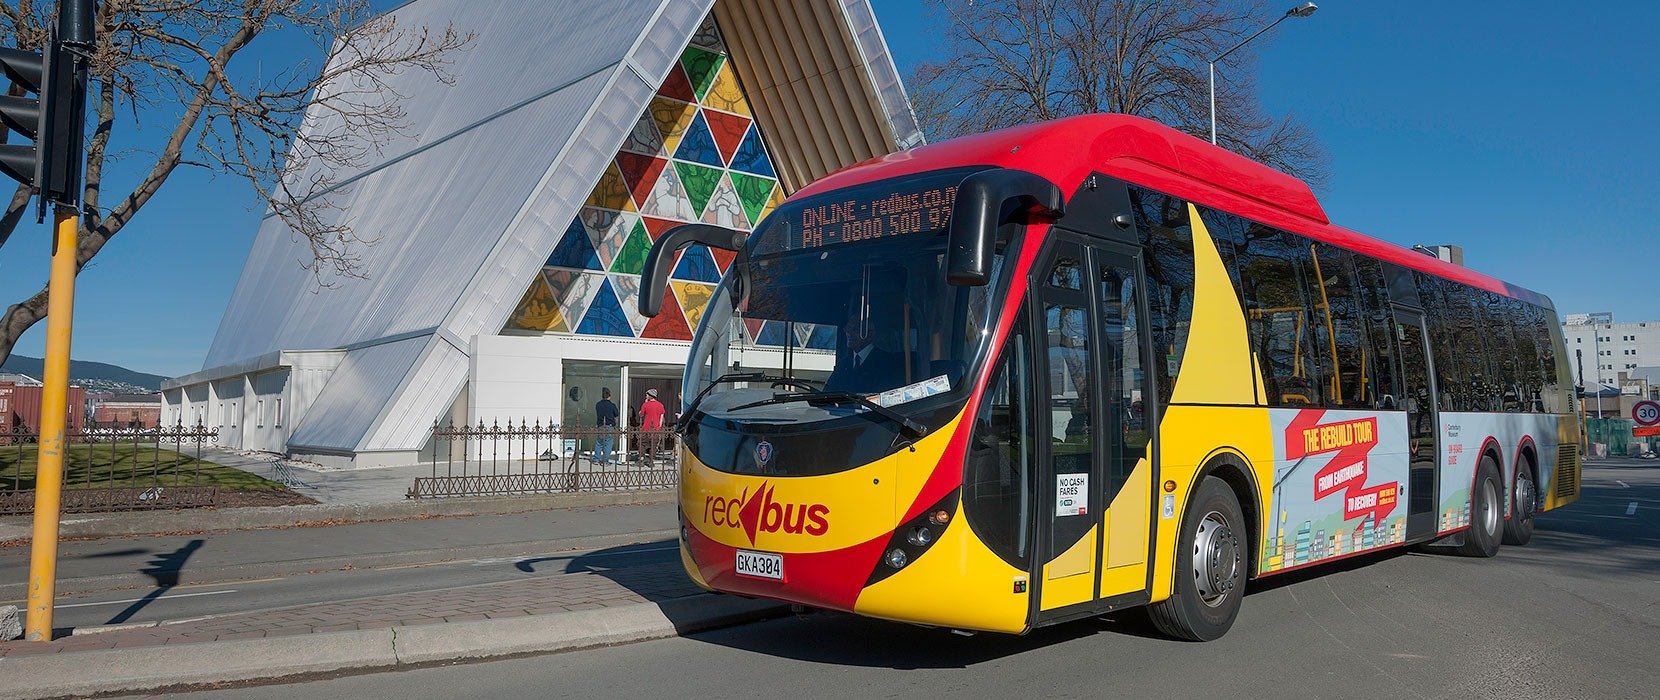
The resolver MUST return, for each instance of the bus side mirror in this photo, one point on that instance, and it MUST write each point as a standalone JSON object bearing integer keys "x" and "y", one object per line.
{"x": 656, "y": 277}
{"x": 979, "y": 212}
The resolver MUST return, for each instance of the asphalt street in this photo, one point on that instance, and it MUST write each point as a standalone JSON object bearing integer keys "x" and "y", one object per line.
{"x": 1574, "y": 615}
{"x": 143, "y": 579}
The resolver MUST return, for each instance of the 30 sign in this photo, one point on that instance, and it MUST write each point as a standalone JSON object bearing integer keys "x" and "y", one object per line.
{"x": 1646, "y": 413}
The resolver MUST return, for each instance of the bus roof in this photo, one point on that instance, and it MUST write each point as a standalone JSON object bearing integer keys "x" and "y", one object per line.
{"x": 1065, "y": 151}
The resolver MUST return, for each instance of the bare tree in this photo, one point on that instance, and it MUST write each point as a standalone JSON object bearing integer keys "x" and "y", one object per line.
{"x": 170, "y": 62}
{"x": 1016, "y": 61}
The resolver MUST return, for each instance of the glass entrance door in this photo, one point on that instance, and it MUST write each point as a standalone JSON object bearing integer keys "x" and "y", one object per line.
{"x": 1091, "y": 426}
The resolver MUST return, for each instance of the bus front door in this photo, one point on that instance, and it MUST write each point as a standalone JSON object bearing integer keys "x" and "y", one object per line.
{"x": 1089, "y": 306}
{"x": 1419, "y": 399}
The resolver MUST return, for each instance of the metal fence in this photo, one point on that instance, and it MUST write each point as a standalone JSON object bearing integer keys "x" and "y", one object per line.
{"x": 524, "y": 458}
{"x": 111, "y": 469}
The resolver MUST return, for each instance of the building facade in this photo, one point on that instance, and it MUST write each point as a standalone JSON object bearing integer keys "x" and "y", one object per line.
{"x": 511, "y": 226}
{"x": 1602, "y": 348}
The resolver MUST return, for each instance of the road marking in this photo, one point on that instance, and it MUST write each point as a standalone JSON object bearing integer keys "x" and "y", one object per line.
{"x": 1631, "y": 509}
{"x": 1622, "y": 484}
{"x": 135, "y": 600}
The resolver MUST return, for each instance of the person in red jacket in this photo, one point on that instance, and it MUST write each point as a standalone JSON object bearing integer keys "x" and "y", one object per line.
{"x": 651, "y": 425}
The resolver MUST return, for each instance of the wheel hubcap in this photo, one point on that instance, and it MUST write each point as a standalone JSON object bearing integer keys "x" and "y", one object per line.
{"x": 1525, "y": 498}
{"x": 1216, "y": 559}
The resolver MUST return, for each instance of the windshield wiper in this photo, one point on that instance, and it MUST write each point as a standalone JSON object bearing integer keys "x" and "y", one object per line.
{"x": 910, "y": 428}
{"x": 733, "y": 377}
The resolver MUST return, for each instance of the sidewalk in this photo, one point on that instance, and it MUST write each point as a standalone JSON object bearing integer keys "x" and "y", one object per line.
{"x": 328, "y": 487}
{"x": 589, "y": 607}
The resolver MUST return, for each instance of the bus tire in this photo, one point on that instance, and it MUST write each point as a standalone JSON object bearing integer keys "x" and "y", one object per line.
{"x": 1210, "y": 567}
{"x": 1486, "y": 512}
{"x": 1518, "y": 530}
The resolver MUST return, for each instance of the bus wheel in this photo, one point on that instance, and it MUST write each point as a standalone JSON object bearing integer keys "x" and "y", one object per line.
{"x": 1210, "y": 567}
{"x": 1486, "y": 512}
{"x": 1519, "y": 529}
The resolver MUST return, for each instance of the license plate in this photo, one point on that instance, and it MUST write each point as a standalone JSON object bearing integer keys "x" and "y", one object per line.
{"x": 760, "y": 565}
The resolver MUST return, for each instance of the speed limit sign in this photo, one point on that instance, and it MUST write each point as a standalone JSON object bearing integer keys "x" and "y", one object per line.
{"x": 1646, "y": 413}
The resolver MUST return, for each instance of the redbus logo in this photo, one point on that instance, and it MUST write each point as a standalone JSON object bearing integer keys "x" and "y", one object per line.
{"x": 759, "y": 513}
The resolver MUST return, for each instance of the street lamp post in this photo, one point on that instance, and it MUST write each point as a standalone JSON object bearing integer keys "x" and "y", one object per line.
{"x": 1302, "y": 10}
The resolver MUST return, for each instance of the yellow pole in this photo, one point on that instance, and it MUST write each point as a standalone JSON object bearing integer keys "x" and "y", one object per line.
{"x": 54, "y": 410}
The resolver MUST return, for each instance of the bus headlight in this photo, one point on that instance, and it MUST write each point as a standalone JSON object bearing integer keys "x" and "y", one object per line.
{"x": 913, "y": 538}
{"x": 919, "y": 536}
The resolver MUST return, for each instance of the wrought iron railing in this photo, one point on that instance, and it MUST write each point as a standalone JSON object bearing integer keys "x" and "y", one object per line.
{"x": 112, "y": 469}
{"x": 526, "y": 458}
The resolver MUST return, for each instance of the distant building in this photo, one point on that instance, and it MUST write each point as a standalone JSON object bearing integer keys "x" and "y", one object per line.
{"x": 20, "y": 407}
{"x": 126, "y": 410}
{"x": 1601, "y": 348}
{"x": 18, "y": 379}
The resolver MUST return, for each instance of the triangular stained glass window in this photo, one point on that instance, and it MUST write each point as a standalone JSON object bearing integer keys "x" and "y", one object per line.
{"x": 696, "y": 265}
{"x": 724, "y": 93}
{"x": 728, "y": 130}
{"x": 640, "y": 172}
{"x": 701, "y": 67}
{"x": 610, "y": 192}
{"x": 670, "y": 323}
{"x": 657, "y": 227}
{"x": 573, "y": 290}
{"x": 753, "y": 192}
{"x": 671, "y": 117}
{"x": 538, "y": 311}
{"x": 724, "y": 209}
{"x": 668, "y": 198}
{"x": 576, "y": 249}
{"x": 608, "y": 230}
{"x": 697, "y": 145}
{"x": 700, "y": 182}
{"x": 645, "y": 138}
{"x": 694, "y": 299}
{"x": 676, "y": 85}
{"x": 627, "y": 288}
{"x": 708, "y": 36}
{"x": 751, "y": 156}
{"x": 632, "y": 258}
{"x": 605, "y": 315}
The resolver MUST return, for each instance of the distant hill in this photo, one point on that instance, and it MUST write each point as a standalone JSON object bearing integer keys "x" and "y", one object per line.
{"x": 92, "y": 375}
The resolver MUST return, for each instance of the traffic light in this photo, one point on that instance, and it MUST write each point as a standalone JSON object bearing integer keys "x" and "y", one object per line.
{"x": 22, "y": 114}
{"x": 53, "y": 119}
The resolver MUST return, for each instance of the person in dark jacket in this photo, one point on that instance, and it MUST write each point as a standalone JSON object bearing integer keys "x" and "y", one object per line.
{"x": 605, "y": 418}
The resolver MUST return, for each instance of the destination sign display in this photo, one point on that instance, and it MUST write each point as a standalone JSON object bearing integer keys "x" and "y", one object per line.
{"x": 855, "y": 218}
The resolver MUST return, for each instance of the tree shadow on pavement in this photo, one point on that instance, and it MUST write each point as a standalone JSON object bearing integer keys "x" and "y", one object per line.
{"x": 165, "y": 569}
{"x": 650, "y": 570}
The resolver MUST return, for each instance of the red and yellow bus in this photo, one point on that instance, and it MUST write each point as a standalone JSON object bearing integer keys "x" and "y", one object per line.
{"x": 1052, "y": 371}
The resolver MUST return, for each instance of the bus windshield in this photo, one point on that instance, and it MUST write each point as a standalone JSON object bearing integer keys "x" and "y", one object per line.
{"x": 845, "y": 292}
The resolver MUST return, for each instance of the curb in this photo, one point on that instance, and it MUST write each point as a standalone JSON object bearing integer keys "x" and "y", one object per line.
{"x": 95, "y": 525}
{"x": 181, "y": 665}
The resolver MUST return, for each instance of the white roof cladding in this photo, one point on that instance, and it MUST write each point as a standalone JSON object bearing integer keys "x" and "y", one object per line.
{"x": 465, "y": 208}
{"x": 436, "y": 203}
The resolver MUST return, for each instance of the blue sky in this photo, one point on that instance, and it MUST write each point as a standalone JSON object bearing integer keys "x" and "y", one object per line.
{"x": 1524, "y": 135}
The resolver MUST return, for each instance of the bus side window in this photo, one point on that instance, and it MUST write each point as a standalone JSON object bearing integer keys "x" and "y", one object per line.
{"x": 1168, "y": 238}
{"x": 1338, "y": 327}
{"x": 1438, "y": 316}
{"x": 997, "y": 489}
{"x": 1381, "y": 393}
{"x": 1272, "y": 264}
